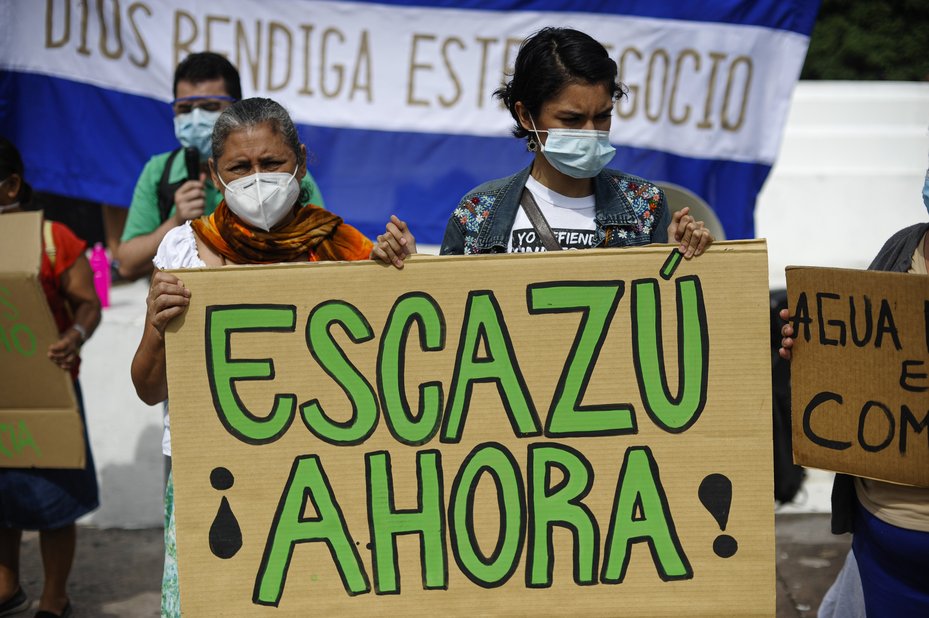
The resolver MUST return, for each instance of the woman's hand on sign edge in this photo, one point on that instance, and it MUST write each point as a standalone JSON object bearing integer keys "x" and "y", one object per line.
{"x": 167, "y": 299}
{"x": 693, "y": 235}
{"x": 787, "y": 334}
{"x": 395, "y": 245}
{"x": 66, "y": 350}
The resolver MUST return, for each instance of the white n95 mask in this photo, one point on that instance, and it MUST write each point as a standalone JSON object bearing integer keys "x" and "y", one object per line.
{"x": 263, "y": 199}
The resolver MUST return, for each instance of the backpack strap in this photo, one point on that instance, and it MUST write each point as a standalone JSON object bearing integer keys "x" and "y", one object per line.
{"x": 167, "y": 189}
{"x": 50, "y": 250}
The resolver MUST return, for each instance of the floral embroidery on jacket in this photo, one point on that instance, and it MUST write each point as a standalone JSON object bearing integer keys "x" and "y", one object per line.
{"x": 645, "y": 199}
{"x": 631, "y": 213}
{"x": 470, "y": 214}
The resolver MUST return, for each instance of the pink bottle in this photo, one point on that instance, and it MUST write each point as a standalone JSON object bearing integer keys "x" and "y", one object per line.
{"x": 100, "y": 264}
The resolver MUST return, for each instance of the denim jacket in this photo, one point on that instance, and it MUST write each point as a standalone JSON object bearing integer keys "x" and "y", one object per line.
{"x": 629, "y": 211}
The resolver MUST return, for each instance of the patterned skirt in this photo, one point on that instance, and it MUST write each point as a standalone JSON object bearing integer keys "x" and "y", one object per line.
{"x": 170, "y": 596}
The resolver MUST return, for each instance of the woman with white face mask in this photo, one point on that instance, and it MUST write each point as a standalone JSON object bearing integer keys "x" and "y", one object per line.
{"x": 561, "y": 96}
{"x": 258, "y": 162}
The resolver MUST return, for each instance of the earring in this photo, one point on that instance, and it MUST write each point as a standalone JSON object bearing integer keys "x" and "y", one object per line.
{"x": 532, "y": 145}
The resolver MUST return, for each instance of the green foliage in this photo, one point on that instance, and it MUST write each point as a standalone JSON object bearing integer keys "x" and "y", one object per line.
{"x": 869, "y": 40}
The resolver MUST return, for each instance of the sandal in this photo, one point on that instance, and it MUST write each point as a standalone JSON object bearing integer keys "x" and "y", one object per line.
{"x": 65, "y": 613}
{"x": 16, "y": 603}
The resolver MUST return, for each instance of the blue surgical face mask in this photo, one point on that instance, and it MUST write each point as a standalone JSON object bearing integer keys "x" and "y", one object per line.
{"x": 579, "y": 153}
{"x": 196, "y": 129}
{"x": 926, "y": 191}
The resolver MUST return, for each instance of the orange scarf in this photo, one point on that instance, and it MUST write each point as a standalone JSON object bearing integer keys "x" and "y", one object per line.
{"x": 315, "y": 234}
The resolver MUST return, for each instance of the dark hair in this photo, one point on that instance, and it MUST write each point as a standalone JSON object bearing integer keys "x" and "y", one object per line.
{"x": 11, "y": 163}
{"x": 248, "y": 113}
{"x": 550, "y": 60}
{"x": 252, "y": 112}
{"x": 204, "y": 66}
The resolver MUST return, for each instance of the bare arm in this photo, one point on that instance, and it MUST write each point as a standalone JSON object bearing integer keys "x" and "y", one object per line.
{"x": 167, "y": 299}
{"x": 77, "y": 285}
{"x": 135, "y": 255}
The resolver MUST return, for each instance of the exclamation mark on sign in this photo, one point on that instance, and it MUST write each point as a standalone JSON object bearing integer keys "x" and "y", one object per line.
{"x": 225, "y": 534}
{"x": 716, "y": 495}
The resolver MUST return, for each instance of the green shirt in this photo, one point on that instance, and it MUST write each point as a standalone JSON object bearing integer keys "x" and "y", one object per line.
{"x": 144, "y": 217}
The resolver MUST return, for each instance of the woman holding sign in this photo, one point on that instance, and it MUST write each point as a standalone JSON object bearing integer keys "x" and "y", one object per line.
{"x": 49, "y": 500}
{"x": 889, "y": 522}
{"x": 258, "y": 162}
{"x": 562, "y": 97}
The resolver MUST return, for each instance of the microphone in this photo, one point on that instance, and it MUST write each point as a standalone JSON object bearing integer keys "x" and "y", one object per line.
{"x": 192, "y": 160}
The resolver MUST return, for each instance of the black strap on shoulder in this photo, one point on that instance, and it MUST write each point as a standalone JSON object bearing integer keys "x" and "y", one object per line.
{"x": 167, "y": 189}
{"x": 538, "y": 222}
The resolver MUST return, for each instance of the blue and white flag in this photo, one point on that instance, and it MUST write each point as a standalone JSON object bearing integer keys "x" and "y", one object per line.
{"x": 394, "y": 100}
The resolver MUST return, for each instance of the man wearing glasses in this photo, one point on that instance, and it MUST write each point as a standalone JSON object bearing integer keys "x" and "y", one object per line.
{"x": 166, "y": 195}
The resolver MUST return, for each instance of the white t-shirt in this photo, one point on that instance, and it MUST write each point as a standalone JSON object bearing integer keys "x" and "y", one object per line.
{"x": 571, "y": 220}
{"x": 178, "y": 249}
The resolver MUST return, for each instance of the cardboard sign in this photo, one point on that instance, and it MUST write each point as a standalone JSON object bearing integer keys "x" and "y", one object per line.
{"x": 39, "y": 422}
{"x": 544, "y": 434}
{"x": 860, "y": 389}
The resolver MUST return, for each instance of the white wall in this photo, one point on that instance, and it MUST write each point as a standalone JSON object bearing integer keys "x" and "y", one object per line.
{"x": 850, "y": 174}
{"x": 125, "y": 434}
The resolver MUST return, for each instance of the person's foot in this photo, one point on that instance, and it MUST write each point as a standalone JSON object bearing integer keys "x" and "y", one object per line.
{"x": 15, "y": 604}
{"x": 65, "y": 613}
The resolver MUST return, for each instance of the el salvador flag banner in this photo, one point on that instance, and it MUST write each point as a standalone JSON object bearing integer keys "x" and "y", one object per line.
{"x": 394, "y": 100}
